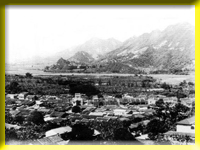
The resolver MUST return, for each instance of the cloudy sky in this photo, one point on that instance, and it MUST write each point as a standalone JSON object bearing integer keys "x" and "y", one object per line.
{"x": 42, "y": 31}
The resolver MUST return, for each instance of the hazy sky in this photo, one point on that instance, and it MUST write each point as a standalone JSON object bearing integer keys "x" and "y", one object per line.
{"x": 43, "y": 31}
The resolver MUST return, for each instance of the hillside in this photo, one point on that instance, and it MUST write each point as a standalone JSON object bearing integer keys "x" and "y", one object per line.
{"x": 97, "y": 47}
{"x": 172, "y": 48}
{"x": 82, "y": 57}
{"x": 170, "y": 51}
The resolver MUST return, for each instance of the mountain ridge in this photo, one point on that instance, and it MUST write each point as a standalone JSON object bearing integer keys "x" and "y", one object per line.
{"x": 174, "y": 39}
{"x": 171, "y": 49}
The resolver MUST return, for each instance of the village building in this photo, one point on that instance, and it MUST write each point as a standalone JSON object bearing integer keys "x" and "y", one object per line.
{"x": 9, "y": 126}
{"x": 77, "y": 99}
{"x": 151, "y": 101}
{"x": 12, "y": 96}
{"x": 186, "y": 125}
{"x": 43, "y": 110}
{"x": 119, "y": 112}
{"x": 31, "y": 97}
{"x": 58, "y": 131}
{"x": 23, "y": 95}
{"x": 97, "y": 114}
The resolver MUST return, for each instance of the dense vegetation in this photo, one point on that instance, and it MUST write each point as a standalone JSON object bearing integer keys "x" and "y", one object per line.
{"x": 48, "y": 86}
{"x": 165, "y": 118}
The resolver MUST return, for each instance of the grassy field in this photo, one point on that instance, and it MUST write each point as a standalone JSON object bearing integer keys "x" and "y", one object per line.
{"x": 168, "y": 78}
{"x": 174, "y": 79}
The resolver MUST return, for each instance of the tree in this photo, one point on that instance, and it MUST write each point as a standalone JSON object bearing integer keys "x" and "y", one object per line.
{"x": 10, "y": 134}
{"x": 87, "y": 89}
{"x": 192, "y": 92}
{"x": 36, "y": 118}
{"x": 19, "y": 119}
{"x": 160, "y": 103}
{"x": 29, "y": 75}
{"x": 180, "y": 94}
{"x": 8, "y": 118}
{"x": 180, "y": 112}
{"x": 100, "y": 95}
{"x": 101, "y": 103}
{"x": 13, "y": 87}
{"x": 166, "y": 118}
{"x": 162, "y": 140}
{"x": 122, "y": 134}
{"x": 156, "y": 127}
{"x": 193, "y": 109}
{"x": 191, "y": 83}
{"x": 76, "y": 109}
{"x": 30, "y": 133}
{"x": 165, "y": 86}
{"x": 81, "y": 132}
{"x": 50, "y": 125}
{"x": 78, "y": 103}
{"x": 118, "y": 96}
{"x": 181, "y": 108}
{"x": 184, "y": 83}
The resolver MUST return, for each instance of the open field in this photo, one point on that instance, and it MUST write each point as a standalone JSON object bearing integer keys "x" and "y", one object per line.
{"x": 174, "y": 79}
{"x": 168, "y": 78}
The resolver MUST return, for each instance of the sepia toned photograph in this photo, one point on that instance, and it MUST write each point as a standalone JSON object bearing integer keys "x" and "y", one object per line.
{"x": 100, "y": 75}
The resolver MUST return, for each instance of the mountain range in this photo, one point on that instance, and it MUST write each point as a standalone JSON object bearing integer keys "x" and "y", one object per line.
{"x": 95, "y": 47}
{"x": 170, "y": 49}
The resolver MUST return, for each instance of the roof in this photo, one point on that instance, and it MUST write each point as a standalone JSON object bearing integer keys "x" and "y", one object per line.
{"x": 9, "y": 126}
{"x": 7, "y": 95}
{"x": 24, "y": 93}
{"x": 124, "y": 119}
{"x": 45, "y": 141}
{"x": 139, "y": 116}
{"x": 134, "y": 125}
{"x": 32, "y": 142}
{"x": 57, "y": 114}
{"x": 96, "y": 114}
{"x": 56, "y": 120}
{"x": 63, "y": 142}
{"x": 59, "y": 130}
{"x": 28, "y": 103}
{"x": 119, "y": 110}
{"x": 96, "y": 133}
{"x": 85, "y": 120}
{"x": 102, "y": 119}
{"x": 111, "y": 117}
{"x": 51, "y": 140}
{"x": 14, "y": 112}
{"x": 48, "y": 118}
{"x": 147, "y": 110}
{"x": 142, "y": 137}
{"x": 43, "y": 109}
{"x": 31, "y": 96}
{"x": 55, "y": 138}
{"x": 188, "y": 121}
{"x": 89, "y": 109}
{"x": 85, "y": 116}
{"x": 145, "y": 122}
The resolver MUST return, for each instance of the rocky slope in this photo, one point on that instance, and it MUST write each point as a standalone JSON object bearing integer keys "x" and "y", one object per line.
{"x": 172, "y": 48}
{"x": 82, "y": 57}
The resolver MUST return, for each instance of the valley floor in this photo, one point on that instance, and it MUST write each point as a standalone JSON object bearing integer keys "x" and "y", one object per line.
{"x": 168, "y": 78}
